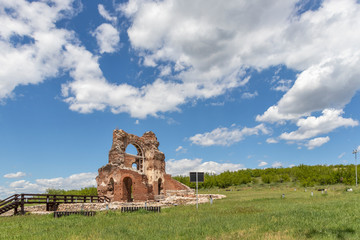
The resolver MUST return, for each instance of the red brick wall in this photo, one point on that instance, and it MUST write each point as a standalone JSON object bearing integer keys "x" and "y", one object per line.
{"x": 171, "y": 184}
{"x": 140, "y": 190}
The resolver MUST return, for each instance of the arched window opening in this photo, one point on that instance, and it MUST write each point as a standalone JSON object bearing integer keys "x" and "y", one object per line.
{"x": 111, "y": 185}
{"x": 160, "y": 186}
{"x": 127, "y": 189}
{"x": 131, "y": 149}
{"x": 134, "y": 154}
{"x": 134, "y": 166}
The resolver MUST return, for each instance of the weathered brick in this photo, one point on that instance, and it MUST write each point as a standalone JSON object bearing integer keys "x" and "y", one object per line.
{"x": 120, "y": 182}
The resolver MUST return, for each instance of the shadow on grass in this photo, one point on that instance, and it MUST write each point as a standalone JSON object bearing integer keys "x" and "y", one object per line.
{"x": 338, "y": 232}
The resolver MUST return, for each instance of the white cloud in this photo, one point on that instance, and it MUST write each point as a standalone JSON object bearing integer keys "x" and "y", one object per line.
{"x": 165, "y": 70}
{"x": 204, "y": 43}
{"x": 184, "y": 166}
{"x": 317, "y": 142}
{"x": 276, "y": 165}
{"x": 318, "y": 43}
{"x": 105, "y": 14}
{"x": 314, "y": 126}
{"x": 262, "y": 164}
{"x": 6, "y": 192}
{"x": 248, "y": 95}
{"x": 327, "y": 58}
{"x": 271, "y": 140}
{"x": 331, "y": 83}
{"x": 39, "y": 54}
{"x": 75, "y": 181}
{"x": 225, "y": 136}
{"x": 272, "y": 115}
{"x": 341, "y": 155}
{"x": 282, "y": 85}
{"x": 217, "y": 104}
{"x": 179, "y": 148}
{"x": 15, "y": 175}
{"x": 107, "y": 38}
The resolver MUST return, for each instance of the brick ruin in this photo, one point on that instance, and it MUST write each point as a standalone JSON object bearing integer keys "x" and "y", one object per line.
{"x": 140, "y": 177}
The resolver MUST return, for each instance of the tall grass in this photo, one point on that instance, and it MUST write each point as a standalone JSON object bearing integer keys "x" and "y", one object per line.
{"x": 246, "y": 213}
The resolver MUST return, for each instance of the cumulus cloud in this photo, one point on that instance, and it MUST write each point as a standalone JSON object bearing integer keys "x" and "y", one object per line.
{"x": 24, "y": 186}
{"x": 107, "y": 38}
{"x": 271, "y": 140}
{"x": 75, "y": 181}
{"x": 184, "y": 166}
{"x": 276, "y": 165}
{"x": 179, "y": 148}
{"x": 105, "y": 14}
{"x": 262, "y": 164}
{"x": 31, "y": 47}
{"x": 329, "y": 74}
{"x": 207, "y": 37}
{"x": 317, "y": 142}
{"x": 313, "y": 126}
{"x": 202, "y": 46}
{"x": 282, "y": 85}
{"x": 248, "y": 95}
{"x": 272, "y": 115}
{"x": 225, "y": 136}
{"x": 164, "y": 71}
{"x": 6, "y": 192}
{"x": 15, "y": 175}
{"x": 329, "y": 84}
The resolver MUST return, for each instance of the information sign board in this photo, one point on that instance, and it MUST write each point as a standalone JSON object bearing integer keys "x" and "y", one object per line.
{"x": 200, "y": 176}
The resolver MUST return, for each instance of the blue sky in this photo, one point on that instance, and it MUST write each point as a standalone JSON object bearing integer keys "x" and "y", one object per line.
{"x": 224, "y": 85}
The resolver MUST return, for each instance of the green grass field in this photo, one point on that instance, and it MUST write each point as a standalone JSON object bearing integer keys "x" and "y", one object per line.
{"x": 246, "y": 213}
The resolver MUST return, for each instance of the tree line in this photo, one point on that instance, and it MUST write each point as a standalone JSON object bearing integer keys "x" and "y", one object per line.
{"x": 88, "y": 191}
{"x": 306, "y": 176}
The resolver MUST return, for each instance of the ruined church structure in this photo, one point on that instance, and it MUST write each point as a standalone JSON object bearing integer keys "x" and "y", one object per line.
{"x": 141, "y": 177}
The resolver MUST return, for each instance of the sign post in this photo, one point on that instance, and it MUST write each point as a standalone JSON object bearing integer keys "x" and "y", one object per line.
{"x": 197, "y": 177}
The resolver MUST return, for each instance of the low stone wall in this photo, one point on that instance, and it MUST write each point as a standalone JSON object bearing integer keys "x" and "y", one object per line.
{"x": 169, "y": 201}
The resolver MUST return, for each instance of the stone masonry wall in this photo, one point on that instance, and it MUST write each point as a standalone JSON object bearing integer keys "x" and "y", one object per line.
{"x": 118, "y": 181}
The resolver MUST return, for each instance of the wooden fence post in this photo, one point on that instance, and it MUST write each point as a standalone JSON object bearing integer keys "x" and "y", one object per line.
{"x": 22, "y": 204}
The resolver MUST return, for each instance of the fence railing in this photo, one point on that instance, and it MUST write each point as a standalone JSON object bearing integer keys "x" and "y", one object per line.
{"x": 133, "y": 209}
{"x": 67, "y": 213}
{"x": 51, "y": 200}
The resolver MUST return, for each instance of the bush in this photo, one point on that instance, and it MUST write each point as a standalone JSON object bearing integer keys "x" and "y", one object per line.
{"x": 89, "y": 191}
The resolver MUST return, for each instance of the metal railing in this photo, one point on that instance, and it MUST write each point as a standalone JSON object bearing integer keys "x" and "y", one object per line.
{"x": 133, "y": 209}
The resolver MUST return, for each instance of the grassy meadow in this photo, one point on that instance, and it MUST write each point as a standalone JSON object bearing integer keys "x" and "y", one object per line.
{"x": 257, "y": 212}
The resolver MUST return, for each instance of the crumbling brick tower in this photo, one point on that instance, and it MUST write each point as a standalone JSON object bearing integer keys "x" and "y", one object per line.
{"x": 138, "y": 177}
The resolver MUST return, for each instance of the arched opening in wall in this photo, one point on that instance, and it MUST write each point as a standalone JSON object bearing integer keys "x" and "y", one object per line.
{"x": 127, "y": 189}
{"x": 135, "y": 155}
{"x": 131, "y": 149}
{"x": 111, "y": 186}
{"x": 160, "y": 186}
{"x": 134, "y": 166}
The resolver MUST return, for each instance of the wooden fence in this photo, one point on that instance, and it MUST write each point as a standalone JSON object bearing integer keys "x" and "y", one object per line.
{"x": 52, "y": 201}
